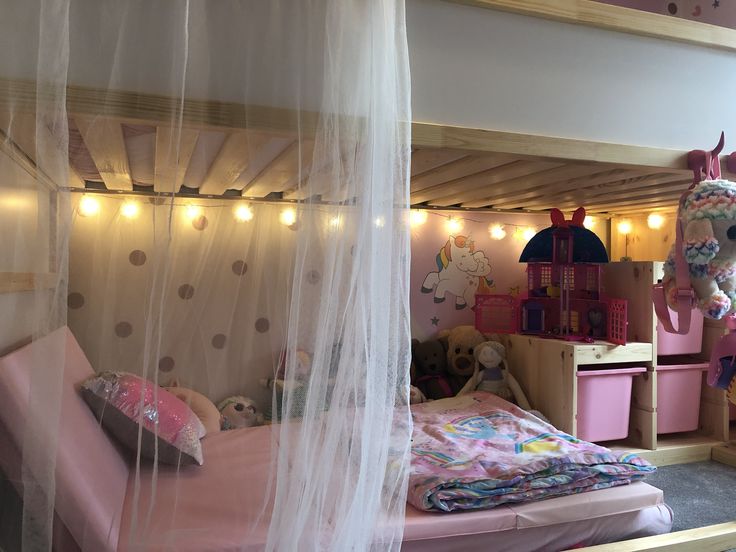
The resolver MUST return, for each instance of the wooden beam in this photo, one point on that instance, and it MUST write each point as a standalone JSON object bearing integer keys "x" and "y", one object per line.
{"x": 615, "y": 18}
{"x": 13, "y": 282}
{"x": 711, "y": 538}
{"x": 423, "y": 160}
{"x": 466, "y": 166}
{"x": 634, "y": 197}
{"x": 636, "y": 205}
{"x": 104, "y": 140}
{"x": 289, "y": 166}
{"x": 174, "y": 150}
{"x": 473, "y": 139}
{"x": 451, "y": 193}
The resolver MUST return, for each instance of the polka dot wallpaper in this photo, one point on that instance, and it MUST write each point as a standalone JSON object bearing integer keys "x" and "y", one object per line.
{"x": 206, "y": 303}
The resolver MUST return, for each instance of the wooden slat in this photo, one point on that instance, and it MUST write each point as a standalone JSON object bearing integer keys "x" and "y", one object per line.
{"x": 291, "y": 165}
{"x": 636, "y": 205}
{"x": 174, "y": 150}
{"x": 232, "y": 159}
{"x": 461, "y": 168}
{"x": 423, "y": 160}
{"x": 104, "y": 140}
{"x": 664, "y": 206}
{"x": 478, "y": 140}
{"x": 19, "y": 131}
{"x": 451, "y": 192}
{"x": 539, "y": 194}
{"x": 13, "y": 282}
{"x": 611, "y": 191}
{"x": 635, "y": 196}
{"x": 615, "y": 18}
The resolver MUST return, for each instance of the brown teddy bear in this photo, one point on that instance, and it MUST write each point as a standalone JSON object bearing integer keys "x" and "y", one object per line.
{"x": 429, "y": 361}
{"x": 461, "y": 343}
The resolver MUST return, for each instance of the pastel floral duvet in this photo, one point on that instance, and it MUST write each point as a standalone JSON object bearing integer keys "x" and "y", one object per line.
{"x": 479, "y": 451}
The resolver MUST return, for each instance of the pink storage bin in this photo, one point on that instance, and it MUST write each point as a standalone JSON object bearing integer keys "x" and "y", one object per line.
{"x": 674, "y": 344}
{"x": 678, "y": 397}
{"x": 604, "y": 403}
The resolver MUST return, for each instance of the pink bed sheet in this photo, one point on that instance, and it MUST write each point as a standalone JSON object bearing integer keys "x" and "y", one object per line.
{"x": 212, "y": 507}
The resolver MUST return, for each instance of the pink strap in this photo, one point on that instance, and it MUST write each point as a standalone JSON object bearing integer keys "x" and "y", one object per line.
{"x": 685, "y": 296}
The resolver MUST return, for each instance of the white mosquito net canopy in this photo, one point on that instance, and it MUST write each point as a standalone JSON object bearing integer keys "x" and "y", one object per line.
{"x": 211, "y": 195}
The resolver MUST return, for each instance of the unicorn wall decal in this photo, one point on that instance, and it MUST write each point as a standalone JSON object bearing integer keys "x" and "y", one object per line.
{"x": 461, "y": 271}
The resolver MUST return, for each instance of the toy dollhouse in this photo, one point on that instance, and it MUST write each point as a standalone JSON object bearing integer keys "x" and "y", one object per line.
{"x": 563, "y": 297}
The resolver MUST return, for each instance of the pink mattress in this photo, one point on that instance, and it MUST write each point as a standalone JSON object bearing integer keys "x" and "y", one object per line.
{"x": 211, "y": 507}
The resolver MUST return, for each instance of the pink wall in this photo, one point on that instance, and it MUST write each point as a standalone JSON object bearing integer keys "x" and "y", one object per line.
{"x": 506, "y": 273}
{"x": 714, "y": 12}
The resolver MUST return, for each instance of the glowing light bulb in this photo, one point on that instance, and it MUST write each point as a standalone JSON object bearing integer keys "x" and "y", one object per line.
{"x": 454, "y": 225}
{"x": 589, "y": 222}
{"x": 243, "y": 213}
{"x": 335, "y": 223}
{"x": 88, "y": 206}
{"x": 655, "y": 221}
{"x": 288, "y": 216}
{"x": 380, "y": 222}
{"x": 130, "y": 209}
{"x": 497, "y": 232}
{"x": 417, "y": 217}
{"x": 528, "y": 233}
{"x": 192, "y": 211}
{"x": 624, "y": 227}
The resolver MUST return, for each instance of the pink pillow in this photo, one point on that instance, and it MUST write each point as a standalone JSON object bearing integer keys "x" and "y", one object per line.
{"x": 116, "y": 399}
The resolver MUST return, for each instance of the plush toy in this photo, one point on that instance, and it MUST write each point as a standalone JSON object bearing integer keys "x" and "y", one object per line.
{"x": 491, "y": 374}
{"x": 204, "y": 408}
{"x": 302, "y": 369}
{"x": 416, "y": 396}
{"x": 708, "y": 218}
{"x": 239, "y": 412}
{"x": 430, "y": 364}
{"x": 461, "y": 343}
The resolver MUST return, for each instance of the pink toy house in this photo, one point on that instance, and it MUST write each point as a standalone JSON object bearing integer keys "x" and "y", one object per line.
{"x": 563, "y": 297}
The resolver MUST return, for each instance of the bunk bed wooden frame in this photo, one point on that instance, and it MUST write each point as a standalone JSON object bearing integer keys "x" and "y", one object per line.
{"x": 453, "y": 167}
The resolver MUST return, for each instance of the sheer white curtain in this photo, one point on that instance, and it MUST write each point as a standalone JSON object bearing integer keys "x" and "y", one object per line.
{"x": 283, "y": 128}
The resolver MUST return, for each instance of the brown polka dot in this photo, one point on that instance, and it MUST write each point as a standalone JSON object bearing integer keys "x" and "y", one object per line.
{"x": 262, "y": 325}
{"x": 294, "y": 227}
{"x": 240, "y": 267}
{"x": 313, "y": 276}
{"x": 200, "y": 222}
{"x": 219, "y": 340}
{"x": 186, "y": 291}
{"x": 123, "y": 329}
{"x": 137, "y": 257}
{"x": 157, "y": 200}
{"x": 166, "y": 364}
{"x": 672, "y": 8}
{"x": 75, "y": 300}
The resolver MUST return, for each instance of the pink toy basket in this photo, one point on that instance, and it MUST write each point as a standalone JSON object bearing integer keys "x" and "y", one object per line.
{"x": 678, "y": 397}
{"x": 681, "y": 344}
{"x": 604, "y": 403}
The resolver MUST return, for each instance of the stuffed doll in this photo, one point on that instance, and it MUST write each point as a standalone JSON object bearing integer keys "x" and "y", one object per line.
{"x": 430, "y": 364}
{"x": 301, "y": 370}
{"x": 461, "y": 343}
{"x": 708, "y": 218}
{"x": 239, "y": 412}
{"x": 416, "y": 396}
{"x": 204, "y": 408}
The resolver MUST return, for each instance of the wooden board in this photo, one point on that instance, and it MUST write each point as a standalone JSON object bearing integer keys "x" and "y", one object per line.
{"x": 174, "y": 148}
{"x": 615, "y": 18}
{"x": 680, "y": 448}
{"x": 290, "y": 166}
{"x": 104, "y": 140}
{"x": 12, "y": 282}
{"x": 712, "y": 538}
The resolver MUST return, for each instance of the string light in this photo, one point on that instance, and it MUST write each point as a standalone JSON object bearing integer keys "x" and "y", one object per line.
{"x": 192, "y": 211}
{"x": 288, "y": 216}
{"x": 243, "y": 213}
{"x": 335, "y": 223}
{"x": 454, "y": 225}
{"x": 589, "y": 222}
{"x": 655, "y": 221}
{"x": 417, "y": 217}
{"x": 624, "y": 227}
{"x": 379, "y": 222}
{"x": 528, "y": 233}
{"x": 130, "y": 209}
{"x": 497, "y": 232}
{"x": 88, "y": 206}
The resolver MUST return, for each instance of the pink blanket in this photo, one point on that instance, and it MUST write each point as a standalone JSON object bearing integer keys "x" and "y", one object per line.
{"x": 479, "y": 451}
